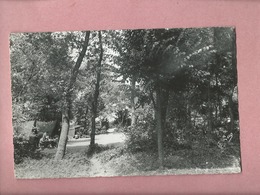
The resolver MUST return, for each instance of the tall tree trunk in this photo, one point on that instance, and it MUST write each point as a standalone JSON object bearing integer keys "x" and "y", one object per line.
{"x": 93, "y": 125}
{"x": 133, "y": 117}
{"x": 63, "y": 136}
{"x": 67, "y": 106}
{"x": 85, "y": 118}
{"x": 96, "y": 93}
{"x": 209, "y": 108}
{"x": 188, "y": 113}
{"x": 165, "y": 93}
{"x": 154, "y": 103}
{"x": 209, "y": 117}
{"x": 159, "y": 127}
{"x": 209, "y": 103}
{"x": 234, "y": 58}
{"x": 231, "y": 103}
{"x": 218, "y": 103}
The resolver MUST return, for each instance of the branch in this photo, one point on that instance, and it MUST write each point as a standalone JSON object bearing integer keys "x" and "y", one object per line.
{"x": 203, "y": 49}
{"x": 78, "y": 62}
{"x": 32, "y": 74}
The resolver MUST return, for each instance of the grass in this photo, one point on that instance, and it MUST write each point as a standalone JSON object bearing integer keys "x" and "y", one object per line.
{"x": 73, "y": 165}
{"x": 210, "y": 161}
{"x": 117, "y": 161}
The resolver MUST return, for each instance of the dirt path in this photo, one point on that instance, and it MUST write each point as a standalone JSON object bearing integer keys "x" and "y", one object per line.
{"x": 98, "y": 169}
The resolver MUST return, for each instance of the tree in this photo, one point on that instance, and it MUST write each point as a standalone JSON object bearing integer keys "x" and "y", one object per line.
{"x": 68, "y": 99}
{"x": 37, "y": 60}
{"x": 94, "y": 104}
{"x": 159, "y": 57}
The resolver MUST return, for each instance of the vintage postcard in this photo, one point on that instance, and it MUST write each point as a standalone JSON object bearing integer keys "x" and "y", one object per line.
{"x": 125, "y": 102}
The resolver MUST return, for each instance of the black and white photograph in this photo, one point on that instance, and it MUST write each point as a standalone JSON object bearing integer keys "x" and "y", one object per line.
{"x": 140, "y": 102}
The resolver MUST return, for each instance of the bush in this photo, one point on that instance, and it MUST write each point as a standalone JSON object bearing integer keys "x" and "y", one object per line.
{"x": 141, "y": 137}
{"x": 24, "y": 149}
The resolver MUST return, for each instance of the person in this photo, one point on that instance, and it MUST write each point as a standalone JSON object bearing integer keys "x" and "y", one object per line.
{"x": 56, "y": 141}
{"x": 34, "y": 138}
{"x": 43, "y": 140}
{"x": 77, "y": 136}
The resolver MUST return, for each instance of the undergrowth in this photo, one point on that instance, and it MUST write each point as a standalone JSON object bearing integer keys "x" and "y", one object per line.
{"x": 129, "y": 163}
{"x": 121, "y": 161}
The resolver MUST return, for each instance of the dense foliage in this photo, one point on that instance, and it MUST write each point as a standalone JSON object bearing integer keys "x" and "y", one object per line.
{"x": 24, "y": 149}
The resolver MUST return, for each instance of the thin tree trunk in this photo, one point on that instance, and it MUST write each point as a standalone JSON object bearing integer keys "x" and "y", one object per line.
{"x": 121, "y": 124}
{"x": 96, "y": 93}
{"x": 209, "y": 110}
{"x": 85, "y": 118}
{"x": 189, "y": 120}
{"x": 154, "y": 104}
{"x": 133, "y": 117}
{"x": 209, "y": 130}
{"x": 159, "y": 127}
{"x": 231, "y": 104}
{"x": 164, "y": 105}
{"x": 93, "y": 126}
{"x": 67, "y": 106}
{"x": 218, "y": 103}
{"x": 234, "y": 56}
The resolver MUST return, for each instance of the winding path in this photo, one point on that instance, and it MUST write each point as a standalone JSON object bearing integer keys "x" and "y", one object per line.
{"x": 97, "y": 168}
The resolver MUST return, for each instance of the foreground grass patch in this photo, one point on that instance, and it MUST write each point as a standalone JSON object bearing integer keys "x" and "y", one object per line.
{"x": 209, "y": 161}
{"x": 73, "y": 165}
{"x": 118, "y": 161}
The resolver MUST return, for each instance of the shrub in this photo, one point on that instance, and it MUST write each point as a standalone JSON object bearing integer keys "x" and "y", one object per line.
{"x": 141, "y": 137}
{"x": 24, "y": 149}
